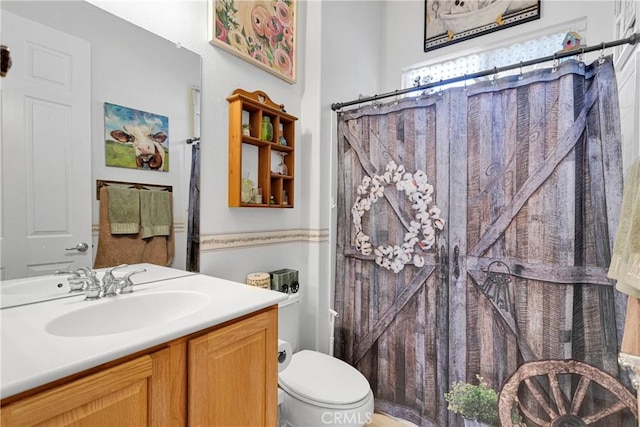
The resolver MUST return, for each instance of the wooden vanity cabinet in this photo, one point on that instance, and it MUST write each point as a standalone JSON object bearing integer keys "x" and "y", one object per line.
{"x": 224, "y": 376}
{"x": 233, "y": 374}
{"x": 115, "y": 396}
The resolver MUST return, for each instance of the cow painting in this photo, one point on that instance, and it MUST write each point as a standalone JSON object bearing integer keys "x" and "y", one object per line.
{"x": 147, "y": 145}
{"x": 136, "y": 139}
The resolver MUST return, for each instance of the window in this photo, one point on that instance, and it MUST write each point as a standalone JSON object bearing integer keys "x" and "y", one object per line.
{"x": 512, "y": 54}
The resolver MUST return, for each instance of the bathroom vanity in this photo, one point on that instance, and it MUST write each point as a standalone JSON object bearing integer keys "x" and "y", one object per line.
{"x": 193, "y": 350}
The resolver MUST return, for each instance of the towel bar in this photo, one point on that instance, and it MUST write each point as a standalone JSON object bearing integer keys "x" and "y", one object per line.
{"x": 103, "y": 183}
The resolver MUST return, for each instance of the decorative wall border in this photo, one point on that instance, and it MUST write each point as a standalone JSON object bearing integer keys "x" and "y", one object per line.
{"x": 214, "y": 242}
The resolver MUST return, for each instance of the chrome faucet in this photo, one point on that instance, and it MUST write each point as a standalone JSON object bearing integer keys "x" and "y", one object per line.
{"x": 78, "y": 280}
{"x": 122, "y": 284}
{"x": 76, "y": 284}
{"x": 110, "y": 282}
{"x": 92, "y": 288}
{"x": 127, "y": 287}
{"x": 86, "y": 279}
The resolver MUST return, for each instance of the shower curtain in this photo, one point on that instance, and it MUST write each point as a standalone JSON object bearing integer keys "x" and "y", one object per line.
{"x": 193, "y": 226}
{"x": 474, "y": 233}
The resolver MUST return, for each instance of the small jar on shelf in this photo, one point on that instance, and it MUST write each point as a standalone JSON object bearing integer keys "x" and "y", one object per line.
{"x": 267, "y": 129}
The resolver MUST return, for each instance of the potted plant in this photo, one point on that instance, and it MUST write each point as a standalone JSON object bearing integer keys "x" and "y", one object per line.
{"x": 476, "y": 403}
{"x": 245, "y": 129}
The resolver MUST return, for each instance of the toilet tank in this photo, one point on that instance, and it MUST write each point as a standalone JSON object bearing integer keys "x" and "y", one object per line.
{"x": 289, "y": 320}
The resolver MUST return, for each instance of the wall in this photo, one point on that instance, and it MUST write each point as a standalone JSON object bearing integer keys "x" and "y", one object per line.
{"x": 326, "y": 71}
{"x": 403, "y": 44}
{"x": 346, "y": 48}
{"x": 402, "y": 48}
{"x": 350, "y": 56}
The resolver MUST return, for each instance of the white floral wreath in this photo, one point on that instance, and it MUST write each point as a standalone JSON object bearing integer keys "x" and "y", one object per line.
{"x": 418, "y": 191}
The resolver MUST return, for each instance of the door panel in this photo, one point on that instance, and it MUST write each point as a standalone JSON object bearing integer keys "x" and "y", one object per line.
{"x": 46, "y": 150}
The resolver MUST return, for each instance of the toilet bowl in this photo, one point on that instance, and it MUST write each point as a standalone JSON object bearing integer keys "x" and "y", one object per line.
{"x": 317, "y": 389}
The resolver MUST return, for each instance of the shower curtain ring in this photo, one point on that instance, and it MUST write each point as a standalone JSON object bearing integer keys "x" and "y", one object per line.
{"x": 601, "y": 59}
{"x": 440, "y": 88}
{"x": 495, "y": 75}
{"x": 520, "y": 76}
{"x": 465, "y": 82}
{"x": 555, "y": 64}
{"x": 581, "y": 57}
{"x": 395, "y": 99}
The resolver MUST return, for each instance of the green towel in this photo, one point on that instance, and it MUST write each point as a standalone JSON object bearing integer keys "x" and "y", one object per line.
{"x": 625, "y": 262}
{"x": 124, "y": 210}
{"x": 155, "y": 213}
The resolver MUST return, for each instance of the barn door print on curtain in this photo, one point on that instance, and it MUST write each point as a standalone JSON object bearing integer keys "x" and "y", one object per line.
{"x": 388, "y": 323}
{"x": 527, "y": 175}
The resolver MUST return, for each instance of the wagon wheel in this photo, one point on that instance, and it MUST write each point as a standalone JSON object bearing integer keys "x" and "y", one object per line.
{"x": 548, "y": 381}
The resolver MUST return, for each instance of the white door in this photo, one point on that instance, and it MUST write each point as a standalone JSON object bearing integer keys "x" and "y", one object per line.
{"x": 46, "y": 151}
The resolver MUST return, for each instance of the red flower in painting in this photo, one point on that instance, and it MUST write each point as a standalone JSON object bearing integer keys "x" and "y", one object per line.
{"x": 221, "y": 31}
{"x": 283, "y": 61}
{"x": 260, "y": 56}
{"x": 274, "y": 26}
{"x": 283, "y": 13}
{"x": 259, "y": 18}
{"x": 287, "y": 37}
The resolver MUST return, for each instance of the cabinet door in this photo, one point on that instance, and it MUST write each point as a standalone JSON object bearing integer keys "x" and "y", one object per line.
{"x": 233, "y": 374}
{"x": 114, "y": 397}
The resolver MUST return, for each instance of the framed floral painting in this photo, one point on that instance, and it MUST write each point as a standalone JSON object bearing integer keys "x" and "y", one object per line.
{"x": 262, "y": 32}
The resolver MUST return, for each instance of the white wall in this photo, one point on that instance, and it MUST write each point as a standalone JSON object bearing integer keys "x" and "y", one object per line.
{"x": 338, "y": 47}
{"x": 629, "y": 96}
{"x": 346, "y": 48}
{"x": 351, "y": 40}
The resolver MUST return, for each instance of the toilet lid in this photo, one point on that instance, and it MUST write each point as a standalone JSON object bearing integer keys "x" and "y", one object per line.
{"x": 323, "y": 379}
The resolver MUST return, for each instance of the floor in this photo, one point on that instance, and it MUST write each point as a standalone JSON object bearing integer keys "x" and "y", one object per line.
{"x": 383, "y": 420}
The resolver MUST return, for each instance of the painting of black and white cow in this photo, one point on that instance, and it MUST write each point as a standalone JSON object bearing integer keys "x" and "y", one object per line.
{"x": 136, "y": 139}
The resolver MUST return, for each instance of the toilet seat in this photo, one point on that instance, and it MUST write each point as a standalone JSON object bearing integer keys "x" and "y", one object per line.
{"x": 319, "y": 379}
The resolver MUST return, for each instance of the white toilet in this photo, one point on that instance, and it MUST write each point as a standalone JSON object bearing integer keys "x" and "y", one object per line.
{"x": 317, "y": 389}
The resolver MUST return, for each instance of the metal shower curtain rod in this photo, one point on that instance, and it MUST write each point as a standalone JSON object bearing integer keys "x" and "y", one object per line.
{"x": 632, "y": 39}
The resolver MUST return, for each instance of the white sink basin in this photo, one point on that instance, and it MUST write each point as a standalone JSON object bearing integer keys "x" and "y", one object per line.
{"x": 124, "y": 313}
{"x": 33, "y": 289}
{"x": 45, "y": 285}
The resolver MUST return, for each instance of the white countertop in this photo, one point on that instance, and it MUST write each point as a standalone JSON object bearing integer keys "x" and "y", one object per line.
{"x": 31, "y": 356}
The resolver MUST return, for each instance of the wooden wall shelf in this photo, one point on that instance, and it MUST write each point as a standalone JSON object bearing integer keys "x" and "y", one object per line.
{"x": 279, "y": 188}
